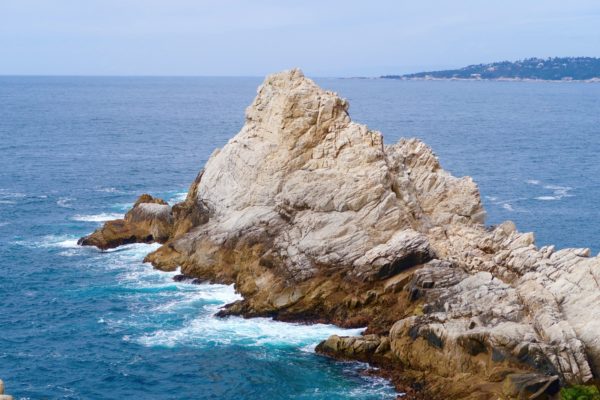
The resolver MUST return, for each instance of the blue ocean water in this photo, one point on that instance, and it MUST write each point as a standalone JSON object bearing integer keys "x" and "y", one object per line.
{"x": 76, "y": 323}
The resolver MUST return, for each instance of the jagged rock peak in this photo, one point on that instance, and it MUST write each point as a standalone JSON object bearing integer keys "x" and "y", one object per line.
{"x": 297, "y": 106}
{"x": 324, "y": 189}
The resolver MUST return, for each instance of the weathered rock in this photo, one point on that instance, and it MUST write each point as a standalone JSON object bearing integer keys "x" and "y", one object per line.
{"x": 363, "y": 348}
{"x": 2, "y": 395}
{"x": 150, "y": 220}
{"x": 314, "y": 218}
{"x": 189, "y": 213}
{"x": 531, "y": 386}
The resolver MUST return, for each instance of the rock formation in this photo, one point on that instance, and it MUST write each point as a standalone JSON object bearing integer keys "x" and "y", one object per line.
{"x": 150, "y": 220}
{"x": 315, "y": 219}
{"x": 2, "y": 395}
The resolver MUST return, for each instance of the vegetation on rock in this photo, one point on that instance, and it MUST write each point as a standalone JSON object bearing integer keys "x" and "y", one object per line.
{"x": 580, "y": 392}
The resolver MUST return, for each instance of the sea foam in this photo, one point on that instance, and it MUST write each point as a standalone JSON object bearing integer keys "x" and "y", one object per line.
{"x": 154, "y": 296}
{"x": 558, "y": 192}
{"x": 65, "y": 202}
{"x": 208, "y": 330}
{"x": 102, "y": 217}
{"x": 157, "y": 295}
{"x": 177, "y": 198}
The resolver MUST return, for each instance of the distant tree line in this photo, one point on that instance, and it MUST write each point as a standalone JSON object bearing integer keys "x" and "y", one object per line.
{"x": 557, "y": 68}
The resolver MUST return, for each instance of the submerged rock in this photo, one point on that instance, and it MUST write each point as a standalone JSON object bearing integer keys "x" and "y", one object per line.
{"x": 315, "y": 219}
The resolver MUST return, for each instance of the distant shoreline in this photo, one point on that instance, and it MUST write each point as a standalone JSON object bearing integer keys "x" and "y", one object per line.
{"x": 552, "y": 69}
{"x": 593, "y": 80}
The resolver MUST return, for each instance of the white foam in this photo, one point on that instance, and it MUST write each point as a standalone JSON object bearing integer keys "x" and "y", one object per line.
{"x": 123, "y": 206}
{"x": 155, "y": 294}
{"x": 108, "y": 190}
{"x": 557, "y": 187}
{"x": 177, "y": 198}
{"x": 67, "y": 244}
{"x": 558, "y": 192}
{"x": 7, "y": 202}
{"x": 533, "y": 181}
{"x": 70, "y": 253}
{"x": 205, "y": 329}
{"x": 64, "y": 202}
{"x": 4, "y": 193}
{"x": 4, "y": 223}
{"x": 102, "y": 217}
{"x": 58, "y": 241}
{"x": 547, "y": 198}
{"x": 135, "y": 250}
{"x": 508, "y": 206}
{"x": 375, "y": 386}
{"x": 210, "y": 330}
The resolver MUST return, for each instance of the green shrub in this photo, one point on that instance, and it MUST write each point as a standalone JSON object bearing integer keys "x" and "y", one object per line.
{"x": 580, "y": 392}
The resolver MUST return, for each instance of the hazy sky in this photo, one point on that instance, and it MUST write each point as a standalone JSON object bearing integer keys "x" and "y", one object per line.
{"x": 255, "y": 37}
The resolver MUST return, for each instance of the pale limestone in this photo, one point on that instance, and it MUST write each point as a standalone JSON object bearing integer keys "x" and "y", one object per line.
{"x": 322, "y": 190}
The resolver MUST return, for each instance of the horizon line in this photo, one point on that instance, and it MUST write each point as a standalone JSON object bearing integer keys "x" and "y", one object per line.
{"x": 172, "y": 76}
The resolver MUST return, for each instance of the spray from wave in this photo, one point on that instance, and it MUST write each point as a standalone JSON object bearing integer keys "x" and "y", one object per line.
{"x": 102, "y": 217}
{"x": 163, "y": 313}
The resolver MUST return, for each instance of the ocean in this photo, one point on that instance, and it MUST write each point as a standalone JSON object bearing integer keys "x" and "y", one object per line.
{"x": 77, "y": 323}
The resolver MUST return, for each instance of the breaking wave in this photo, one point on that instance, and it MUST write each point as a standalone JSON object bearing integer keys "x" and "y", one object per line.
{"x": 102, "y": 217}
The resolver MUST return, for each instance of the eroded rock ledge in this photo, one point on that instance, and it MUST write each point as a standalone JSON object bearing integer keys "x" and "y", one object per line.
{"x": 315, "y": 219}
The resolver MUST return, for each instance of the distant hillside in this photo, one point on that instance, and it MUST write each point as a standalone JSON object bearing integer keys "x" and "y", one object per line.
{"x": 558, "y": 68}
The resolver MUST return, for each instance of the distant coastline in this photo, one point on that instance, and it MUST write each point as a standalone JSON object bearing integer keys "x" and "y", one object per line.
{"x": 557, "y": 69}
{"x": 592, "y": 80}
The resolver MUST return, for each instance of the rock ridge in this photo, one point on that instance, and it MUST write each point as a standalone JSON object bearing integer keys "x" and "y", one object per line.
{"x": 314, "y": 218}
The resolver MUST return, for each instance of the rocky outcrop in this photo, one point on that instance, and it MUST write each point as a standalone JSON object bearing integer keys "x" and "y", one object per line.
{"x": 2, "y": 395}
{"x": 315, "y": 219}
{"x": 150, "y": 220}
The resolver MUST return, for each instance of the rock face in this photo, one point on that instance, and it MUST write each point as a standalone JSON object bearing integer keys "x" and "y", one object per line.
{"x": 150, "y": 220}
{"x": 315, "y": 219}
{"x": 2, "y": 395}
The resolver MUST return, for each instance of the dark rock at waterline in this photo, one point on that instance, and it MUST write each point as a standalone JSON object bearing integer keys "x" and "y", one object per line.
{"x": 182, "y": 278}
{"x": 188, "y": 279}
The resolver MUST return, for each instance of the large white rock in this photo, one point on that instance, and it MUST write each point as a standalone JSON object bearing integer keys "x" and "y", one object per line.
{"x": 330, "y": 184}
{"x": 321, "y": 191}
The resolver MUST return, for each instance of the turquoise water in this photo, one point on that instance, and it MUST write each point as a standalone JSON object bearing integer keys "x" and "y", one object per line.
{"x": 76, "y": 323}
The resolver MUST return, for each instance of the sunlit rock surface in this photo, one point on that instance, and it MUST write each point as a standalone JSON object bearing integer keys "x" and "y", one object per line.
{"x": 315, "y": 219}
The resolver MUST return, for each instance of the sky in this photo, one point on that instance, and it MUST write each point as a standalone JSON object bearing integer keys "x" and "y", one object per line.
{"x": 257, "y": 37}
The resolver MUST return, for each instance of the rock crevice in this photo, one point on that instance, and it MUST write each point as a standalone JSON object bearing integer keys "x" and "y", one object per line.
{"x": 315, "y": 219}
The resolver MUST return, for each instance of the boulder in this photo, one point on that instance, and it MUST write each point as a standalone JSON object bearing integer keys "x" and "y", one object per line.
{"x": 150, "y": 220}
{"x": 2, "y": 395}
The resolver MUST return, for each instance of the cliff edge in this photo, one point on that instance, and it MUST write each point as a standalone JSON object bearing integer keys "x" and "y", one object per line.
{"x": 315, "y": 219}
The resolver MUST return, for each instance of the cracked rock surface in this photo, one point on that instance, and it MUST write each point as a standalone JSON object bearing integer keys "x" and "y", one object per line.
{"x": 314, "y": 218}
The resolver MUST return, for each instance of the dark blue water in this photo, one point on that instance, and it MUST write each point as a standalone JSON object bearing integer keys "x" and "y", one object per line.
{"x": 76, "y": 323}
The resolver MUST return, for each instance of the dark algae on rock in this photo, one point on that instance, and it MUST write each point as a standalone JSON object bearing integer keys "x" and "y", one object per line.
{"x": 314, "y": 219}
